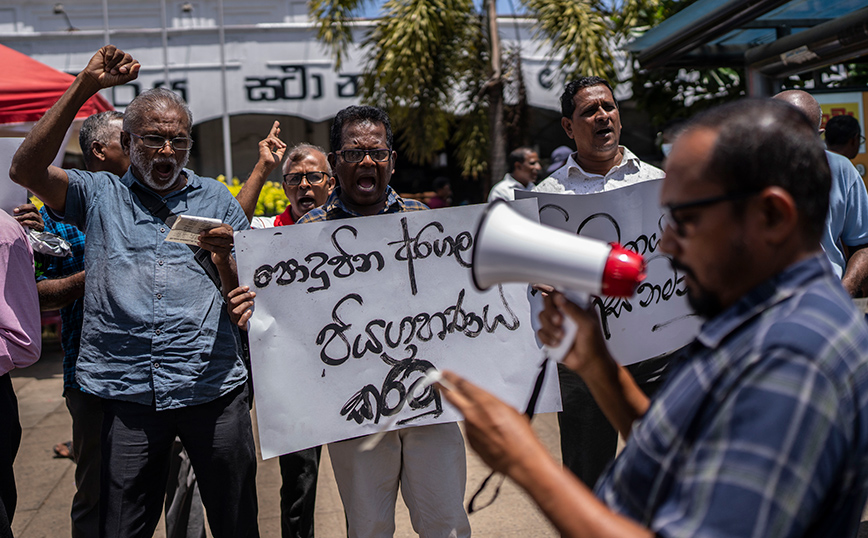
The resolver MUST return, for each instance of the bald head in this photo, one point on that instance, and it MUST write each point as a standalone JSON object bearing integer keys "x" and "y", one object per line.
{"x": 805, "y": 102}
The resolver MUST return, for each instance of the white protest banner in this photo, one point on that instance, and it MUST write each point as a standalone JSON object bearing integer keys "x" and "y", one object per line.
{"x": 657, "y": 319}
{"x": 350, "y": 314}
{"x": 11, "y": 195}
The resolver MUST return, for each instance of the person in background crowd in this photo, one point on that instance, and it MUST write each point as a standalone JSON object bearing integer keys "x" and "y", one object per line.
{"x": 844, "y": 136}
{"x": 760, "y": 427}
{"x": 846, "y": 232}
{"x": 442, "y": 193}
{"x": 559, "y": 158}
{"x": 20, "y": 346}
{"x": 307, "y": 182}
{"x": 524, "y": 166}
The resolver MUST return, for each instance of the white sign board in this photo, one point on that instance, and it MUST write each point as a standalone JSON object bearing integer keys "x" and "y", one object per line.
{"x": 657, "y": 319}
{"x": 351, "y": 313}
{"x": 11, "y": 194}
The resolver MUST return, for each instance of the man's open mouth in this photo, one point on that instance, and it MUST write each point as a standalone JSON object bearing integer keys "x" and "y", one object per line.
{"x": 306, "y": 203}
{"x": 164, "y": 170}
{"x": 366, "y": 183}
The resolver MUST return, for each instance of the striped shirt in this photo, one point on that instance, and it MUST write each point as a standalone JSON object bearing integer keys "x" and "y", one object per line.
{"x": 761, "y": 428}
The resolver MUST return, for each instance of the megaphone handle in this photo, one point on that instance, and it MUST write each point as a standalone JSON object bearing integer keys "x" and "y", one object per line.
{"x": 558, "y": 353}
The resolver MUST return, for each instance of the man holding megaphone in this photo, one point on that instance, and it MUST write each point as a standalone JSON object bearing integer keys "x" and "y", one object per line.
{"x": 759, "y": 429}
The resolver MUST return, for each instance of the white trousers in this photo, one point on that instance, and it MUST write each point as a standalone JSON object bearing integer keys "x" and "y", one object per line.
{"x": 429, "y": 464}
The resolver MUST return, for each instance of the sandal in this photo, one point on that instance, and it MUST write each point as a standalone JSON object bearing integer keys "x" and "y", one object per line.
{"x": 63, "y": 450}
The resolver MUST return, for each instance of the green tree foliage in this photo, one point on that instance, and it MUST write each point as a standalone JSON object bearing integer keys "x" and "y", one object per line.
{"x": 428, "y": 63}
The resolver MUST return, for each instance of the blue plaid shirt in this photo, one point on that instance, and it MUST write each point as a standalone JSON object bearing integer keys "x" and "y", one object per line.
{"x": 70, "y": 315}
{"x": 334, "y": 208}
{"x": 761, "y": 429}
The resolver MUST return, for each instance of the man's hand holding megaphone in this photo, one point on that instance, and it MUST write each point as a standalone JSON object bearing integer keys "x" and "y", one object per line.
{"x": 589, "y": 357}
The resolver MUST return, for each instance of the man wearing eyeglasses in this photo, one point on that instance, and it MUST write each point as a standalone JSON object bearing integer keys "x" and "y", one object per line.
{"x": 157, "y": 344}
{"x": 592, "y": 118}
{"x": 427, "y": 462}
{"x": 760, "y": 427}
{"x": 845, "y": 237}
{"x": 307, "y": 182}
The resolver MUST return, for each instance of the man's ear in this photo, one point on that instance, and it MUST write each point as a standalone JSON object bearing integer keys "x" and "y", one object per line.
{"x": 332, "y": 158}
{"x": 330, "y": 183}
{"x": 567, "y": 124}
{"x": 125, "y": 142}
{"x": 97, "y": 150}
{"x": 779, "y": 213}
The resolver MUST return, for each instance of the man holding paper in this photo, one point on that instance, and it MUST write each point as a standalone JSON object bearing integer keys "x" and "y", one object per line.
{"x": 157, "y": 344}
{"x": 427, "y": 462}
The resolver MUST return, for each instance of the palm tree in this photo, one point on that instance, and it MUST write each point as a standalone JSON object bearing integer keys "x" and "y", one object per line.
{"x": 436, "y": 66}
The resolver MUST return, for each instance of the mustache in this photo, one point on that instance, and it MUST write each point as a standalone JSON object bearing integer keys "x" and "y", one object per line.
{"x": 678, "y": 266}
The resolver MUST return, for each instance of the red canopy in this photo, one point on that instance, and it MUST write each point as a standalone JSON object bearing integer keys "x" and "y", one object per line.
{"x": 28, "y": 88}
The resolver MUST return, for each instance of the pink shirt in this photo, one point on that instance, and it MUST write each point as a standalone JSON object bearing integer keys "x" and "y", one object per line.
{"x": 20, "y": 322}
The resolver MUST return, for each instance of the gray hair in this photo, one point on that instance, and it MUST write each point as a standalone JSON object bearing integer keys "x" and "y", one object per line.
{"x": 96, "y": 128}
{"x": 157, "y": 98}
{"x": 299, "y": 152}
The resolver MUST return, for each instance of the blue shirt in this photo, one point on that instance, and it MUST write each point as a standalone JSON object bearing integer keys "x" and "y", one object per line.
{"x": 71, "y": 315}
{"x": 155, "y": 329}
{"x": 761, "y": 429}
{"x": 847, "y": 219}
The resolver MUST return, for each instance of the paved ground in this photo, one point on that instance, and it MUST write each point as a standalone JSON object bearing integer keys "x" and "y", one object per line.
{"x": 45, "y": 484}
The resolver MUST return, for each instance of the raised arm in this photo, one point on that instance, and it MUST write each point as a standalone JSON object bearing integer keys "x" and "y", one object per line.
{"x": 31, "y": 165}
{"x": 271, "y": 151}
{"x": 611, "y": 385}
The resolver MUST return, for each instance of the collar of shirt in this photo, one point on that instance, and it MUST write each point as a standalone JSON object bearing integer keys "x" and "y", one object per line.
{"x": 194, "y": 182}
{"x": 627, "y": 159}
{"x": 335, "y": 204}
{"x": 767, "y": 294}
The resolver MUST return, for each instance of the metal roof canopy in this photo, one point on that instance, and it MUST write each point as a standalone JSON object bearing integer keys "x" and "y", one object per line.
{"x": 775, "y": 38}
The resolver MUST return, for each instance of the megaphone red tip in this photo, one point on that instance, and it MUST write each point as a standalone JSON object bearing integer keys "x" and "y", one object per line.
{"x": 623, "y": 273}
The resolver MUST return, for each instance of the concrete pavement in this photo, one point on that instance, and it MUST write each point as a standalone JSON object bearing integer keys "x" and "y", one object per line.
{"x": 46, "y": 484}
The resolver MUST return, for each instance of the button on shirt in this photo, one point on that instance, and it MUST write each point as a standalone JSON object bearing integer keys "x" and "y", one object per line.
{"x": 155, "y": 329}
{"x": 761, "y": 429}
{"x": 572, "y": 179}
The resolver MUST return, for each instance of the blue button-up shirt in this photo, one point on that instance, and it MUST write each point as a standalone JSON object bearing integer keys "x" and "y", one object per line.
{"x": 156, "y": 330}
{"x": 71, "y": 315}
{"x": 761, "y": 429}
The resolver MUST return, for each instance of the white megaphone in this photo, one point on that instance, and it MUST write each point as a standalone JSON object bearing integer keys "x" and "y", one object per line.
{"x": 510, "y": 247}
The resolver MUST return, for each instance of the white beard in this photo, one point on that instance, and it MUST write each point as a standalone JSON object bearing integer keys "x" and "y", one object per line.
{"x": 146, "y": 169}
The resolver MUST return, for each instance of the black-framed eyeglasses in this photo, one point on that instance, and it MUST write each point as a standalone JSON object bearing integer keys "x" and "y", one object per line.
{"x": 358, "y": 155}
{"x": 314, "y": 178}
{"x": 671, "y": 211}
{"x": 179, "y": 143}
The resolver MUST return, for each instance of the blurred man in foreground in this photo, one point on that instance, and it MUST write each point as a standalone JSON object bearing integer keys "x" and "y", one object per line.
{"x": 760, "y": 428}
